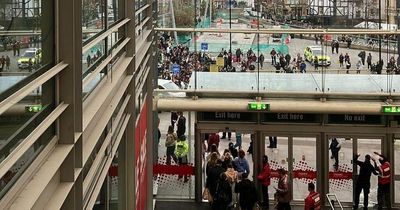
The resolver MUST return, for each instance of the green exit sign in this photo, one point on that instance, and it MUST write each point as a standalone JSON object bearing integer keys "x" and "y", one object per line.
{"x": 257, "y": 106}
{"x": 391, "y": 109}
{"x": 33, "y": 108}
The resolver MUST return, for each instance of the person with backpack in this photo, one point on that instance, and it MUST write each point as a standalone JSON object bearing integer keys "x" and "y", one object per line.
{"x": 313, "y": 200}
{"x": 247, "y": 193}
{"x": 181, "y": 152}
{"x": 223, "y": 194}
{"x": 170, "y": 142}
{"x": 265, "y": 179}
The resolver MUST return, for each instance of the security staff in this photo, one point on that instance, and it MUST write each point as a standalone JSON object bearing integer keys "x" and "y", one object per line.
{"x": 363, "y": 182}
{"x": 313, "y": 200}
{"x": 181, "y": 151}
{"x": 383, "y": 181}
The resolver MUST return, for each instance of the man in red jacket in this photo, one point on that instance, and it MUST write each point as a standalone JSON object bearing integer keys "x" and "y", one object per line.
{"x": 265, "y": 178}
{"x": 213, "y": 139}
{"x": 313, "y": 200}
{"x": 383, "y": 181}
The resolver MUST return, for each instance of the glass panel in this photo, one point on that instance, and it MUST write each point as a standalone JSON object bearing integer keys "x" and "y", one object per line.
{"x": 26, "y": 43}
{"x": 93, "y": 57}
{"x": 174, "y": 175}
{"x": 304, "y": 165}
{"x": 397, "y": 156}
{"x": 93, "y": 14}
{"x": 278, "y": 153}
{"x": 112, "y": 13}
{"x": 397, "y": 193}
{"x": 341, "y": 168}
{"x": 364, "y": 147}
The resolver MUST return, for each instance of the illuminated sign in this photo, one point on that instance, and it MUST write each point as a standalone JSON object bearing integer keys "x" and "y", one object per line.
{"x": 257, "y": 106}
{"x": 33, "y": 108}
{"x": 391, "y": 109}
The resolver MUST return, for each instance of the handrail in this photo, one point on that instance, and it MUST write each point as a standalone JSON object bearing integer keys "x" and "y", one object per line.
{"x": 24, "y": 91}
{"x": 104, "y": 35}
{"x": 21, "y": 149}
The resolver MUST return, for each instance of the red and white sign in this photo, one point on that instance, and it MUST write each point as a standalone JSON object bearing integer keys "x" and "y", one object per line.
{"x": 140, "y": 157}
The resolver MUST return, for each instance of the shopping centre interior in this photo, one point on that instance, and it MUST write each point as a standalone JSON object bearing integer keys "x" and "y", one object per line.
{"x": 91, "y": 92}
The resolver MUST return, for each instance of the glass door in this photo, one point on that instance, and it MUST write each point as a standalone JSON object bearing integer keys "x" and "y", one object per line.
{"x": 340, "y": 167}
{"x": 396, "y": 170}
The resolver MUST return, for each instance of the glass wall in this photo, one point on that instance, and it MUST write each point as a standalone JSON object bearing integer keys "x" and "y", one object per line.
{"x": 281, "y": 62}
{"x": 26, "y": 52}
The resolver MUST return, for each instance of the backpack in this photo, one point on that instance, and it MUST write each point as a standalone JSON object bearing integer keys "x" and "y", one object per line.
{"x": 220, "y": 194}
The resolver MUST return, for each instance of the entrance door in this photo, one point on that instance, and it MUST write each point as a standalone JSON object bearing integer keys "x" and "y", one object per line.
{"x": 396, "y": 165}
{"x": 298, "y": 156}
{"x": 342, "y": 172}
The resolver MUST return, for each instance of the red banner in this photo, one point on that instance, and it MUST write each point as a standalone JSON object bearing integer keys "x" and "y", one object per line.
{"x": 340, "y": 175}
{"x": 140, "y": 157}
{"x": 303, "y": 174}
{"x": 173, "y": 169}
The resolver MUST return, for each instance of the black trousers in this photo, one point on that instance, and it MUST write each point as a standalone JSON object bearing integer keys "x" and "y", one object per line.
{"x": 384, "y": 196}
{"x": 273, "y": 141}
{"x": 335, "y": 154}
{"x": 224, "y": 135}
{"x": 365, "y": 188}
{"x": 265, "y": 197}
{"x": 283, "y": 206}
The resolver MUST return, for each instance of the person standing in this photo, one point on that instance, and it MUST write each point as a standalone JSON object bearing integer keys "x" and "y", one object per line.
{"x": 241, "y": 163}
{"x": 181, "y": 151}
{"x": 348, "y": 65}
{"x": 273, "y": 141}
{"x": 337, "y": 46}
{"x": 8, "y": 62}
{"x": 362, "y": 55}
{"x": 14, "y": 47}
{"x": 282, "y": 191}
{"x": 359, "y": 65}
{"x": 333, "y": 46}
{"x": 170, "y": 142}
{"x": 238, "y": 54}
{"x": 213, "y": 138}
{"x": 261, "y": 60}
{"x": 383, "y": 181}
{"x": 247, "y": 193}
{"x": 364, "y": 179}
{"x": 18, "y": 46}
{"x": 238, "y": 140}
{"x": 181, "y": 125}
{"x": 315, "y": 61}
{"x": 273, "y": 56}
{"x": 265, "y": 179}
{"x": 303, "y": 67}
{"x": 313, "y": 200}
{"x": 174, "y": 118}
{"x": 88, "y": 60}
{"x": 224, "y": 135}
{"x": 335, "y": 148}
{"x": 369, "y": 60}
{"x": 2, "y": 62}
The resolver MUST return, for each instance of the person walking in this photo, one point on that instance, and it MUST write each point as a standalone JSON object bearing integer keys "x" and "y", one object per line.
{"x": 265, "y": 179}
{"x": 335, "y": 147}
{"x": 238, "y": 140}
{"x": 369, "y": 60}
{"x": 313, "y": 200}
{"x": 224, "y": 135}
{"x": 181, "y": 151}
{"x": 273, "y": 56}
{"x": 282, "y": 193}
{"x": 181, "y": 125}
{"x": 359, "y": 65}
{"x": 333, "y": 46}
{"x": 303, "y": 67}
{"x": 213, "y": 138}
{"x": 174, "y": 118}
{"x": 341, "y": 60}
{"x": 384, "y": 180}
{"x": 362, "y": 55}
{"x": 88, "y": 60}
{"x": 348, "y": 65}
{"x": 3, "y": 62}
{"x": 247, "y": 193}
{"x": 238, "y": 55}
{"x": 273, "y": 141}
{"x": 337, "y": 46}
{"x": 223, "y": 193}
{"x": 261, "y": 60}
{"x": 232, "y": 177}
{"x": 170, "y": 142}
{"x": 364, "y": 179}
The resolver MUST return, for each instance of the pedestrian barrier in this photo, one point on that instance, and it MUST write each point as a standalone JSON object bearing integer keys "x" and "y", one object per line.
{"x": 334, "y": 202}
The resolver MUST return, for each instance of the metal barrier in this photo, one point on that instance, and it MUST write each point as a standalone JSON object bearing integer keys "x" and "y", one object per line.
{"x": 334, "y": 202}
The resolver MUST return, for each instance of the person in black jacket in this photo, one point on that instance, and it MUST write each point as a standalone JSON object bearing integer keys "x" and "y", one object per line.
{"x": 223, "y": 194}
{"x": 181, "y": 125}
{"x": 247, "y": 193}
{"x": 363, "y": 181}
{"x": 213, "y": 173}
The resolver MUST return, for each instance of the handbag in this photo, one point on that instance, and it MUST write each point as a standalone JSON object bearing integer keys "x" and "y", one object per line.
{"x": 207, "y": 195}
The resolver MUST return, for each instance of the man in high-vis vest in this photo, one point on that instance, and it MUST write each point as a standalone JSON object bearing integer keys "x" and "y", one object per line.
{"x": 181, "y": 152}
{"x": 313, "y": 200}
{"x": 383, "y": 181}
